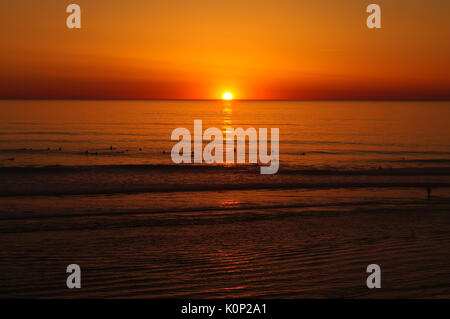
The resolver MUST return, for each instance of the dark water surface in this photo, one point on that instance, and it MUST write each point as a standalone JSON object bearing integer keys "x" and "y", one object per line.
{"x": 351, "y": 191}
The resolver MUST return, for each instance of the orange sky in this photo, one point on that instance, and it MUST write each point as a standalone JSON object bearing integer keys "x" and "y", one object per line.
{"x": 198, "y": 49}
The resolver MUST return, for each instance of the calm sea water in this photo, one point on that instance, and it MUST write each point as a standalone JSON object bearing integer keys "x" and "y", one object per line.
{"x": 343, "y": 135}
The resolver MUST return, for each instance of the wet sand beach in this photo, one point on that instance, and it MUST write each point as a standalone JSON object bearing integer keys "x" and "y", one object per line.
{"x": 311, "y": 252}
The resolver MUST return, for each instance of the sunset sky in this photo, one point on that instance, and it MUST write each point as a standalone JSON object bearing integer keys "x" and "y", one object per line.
{"x": 199, "y": 49}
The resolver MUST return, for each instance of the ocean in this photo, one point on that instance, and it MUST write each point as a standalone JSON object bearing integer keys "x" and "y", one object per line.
{"x": 93, "y": 183}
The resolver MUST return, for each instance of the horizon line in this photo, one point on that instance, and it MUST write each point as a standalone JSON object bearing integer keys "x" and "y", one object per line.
{"x": 242, "y": 100}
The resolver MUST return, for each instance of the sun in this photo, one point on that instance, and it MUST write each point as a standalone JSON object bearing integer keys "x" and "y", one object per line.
{"x": 227, "y": 96}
